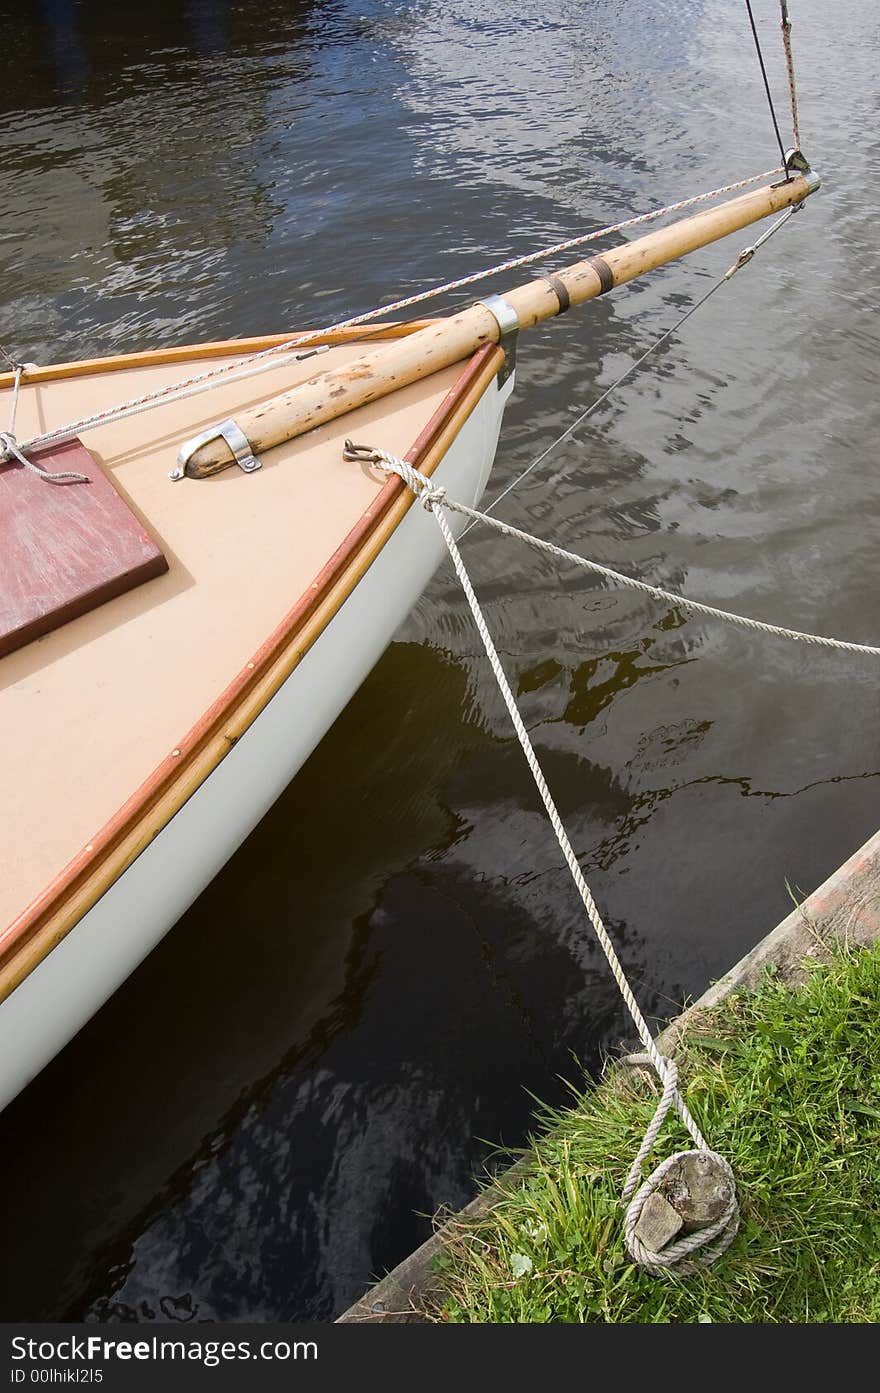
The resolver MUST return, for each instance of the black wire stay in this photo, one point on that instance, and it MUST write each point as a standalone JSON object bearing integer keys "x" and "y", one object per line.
{"x": 766, "y": 81}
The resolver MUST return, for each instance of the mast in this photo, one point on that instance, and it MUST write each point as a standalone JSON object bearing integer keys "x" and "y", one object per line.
{"x": 390, "y": 366}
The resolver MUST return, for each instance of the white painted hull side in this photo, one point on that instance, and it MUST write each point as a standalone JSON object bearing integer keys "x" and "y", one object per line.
{"x": 47, "y": 1009}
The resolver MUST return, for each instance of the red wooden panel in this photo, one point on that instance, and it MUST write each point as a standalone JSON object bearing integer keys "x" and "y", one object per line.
{"x": 65, "y": 548}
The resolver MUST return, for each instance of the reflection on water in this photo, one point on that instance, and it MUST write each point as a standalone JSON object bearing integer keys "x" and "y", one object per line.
{"x": 330, "y": 1043}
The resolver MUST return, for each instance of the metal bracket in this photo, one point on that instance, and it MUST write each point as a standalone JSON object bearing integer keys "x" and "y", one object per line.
{"x": 358, "y": 454}
{"x": 507, "y": 320}
{"x": 225, "y": 430}
{"x": 796, "y": 162}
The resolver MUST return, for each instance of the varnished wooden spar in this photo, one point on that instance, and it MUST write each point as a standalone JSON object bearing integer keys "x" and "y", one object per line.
{"x": 394, "y": 365}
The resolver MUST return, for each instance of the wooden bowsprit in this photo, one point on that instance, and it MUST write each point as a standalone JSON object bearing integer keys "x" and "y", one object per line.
{"x": 392, "y": 366}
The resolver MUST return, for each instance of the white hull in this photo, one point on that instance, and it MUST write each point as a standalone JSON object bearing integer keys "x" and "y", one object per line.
{"x": 94, "y": 959}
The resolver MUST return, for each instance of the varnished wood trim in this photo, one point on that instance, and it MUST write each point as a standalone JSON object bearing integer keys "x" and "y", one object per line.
{"x": 89, "y": 875}
{"x": 156, "y": 357}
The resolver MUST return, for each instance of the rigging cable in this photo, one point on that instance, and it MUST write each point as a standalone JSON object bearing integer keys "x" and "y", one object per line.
{"x": 766, "y": 81}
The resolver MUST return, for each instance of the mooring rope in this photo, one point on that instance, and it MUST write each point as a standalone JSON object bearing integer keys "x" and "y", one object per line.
{"x": 685, "y": 1255}
{"x": 18, "y": 370}
{"x": 698, "y": 1249}
{"x": 423, "y": 488}
{"x": 301, "y": 341}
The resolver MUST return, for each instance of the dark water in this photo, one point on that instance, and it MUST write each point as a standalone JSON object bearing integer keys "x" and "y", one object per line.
{"x": 253, "y": 1133}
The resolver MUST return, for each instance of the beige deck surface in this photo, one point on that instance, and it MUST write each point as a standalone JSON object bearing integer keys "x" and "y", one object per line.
{"x": 90, "y": 710}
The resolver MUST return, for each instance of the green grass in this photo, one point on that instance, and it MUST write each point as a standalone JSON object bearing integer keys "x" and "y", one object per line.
{"x": 785, "y": 1083}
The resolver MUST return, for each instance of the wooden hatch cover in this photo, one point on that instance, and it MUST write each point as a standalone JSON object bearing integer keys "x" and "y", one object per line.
{"x": 65, "y": 548}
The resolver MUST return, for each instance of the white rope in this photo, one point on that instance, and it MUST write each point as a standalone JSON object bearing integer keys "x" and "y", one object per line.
{"x": 161, "y": 396}
{"x": 429, "y": 498}
{"x": 301, "y": 341}
{"x": 422, "y": 486}
{"x": 18, "y": 370}
{"x": 695, "y": 1250}
{"x": 9, "y": 450}
{"x": 707, "y": 1242}
{"x": 9, "y": 447}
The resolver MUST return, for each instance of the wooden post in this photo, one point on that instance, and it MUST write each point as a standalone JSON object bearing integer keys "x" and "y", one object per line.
{"x": 384, "y": 369}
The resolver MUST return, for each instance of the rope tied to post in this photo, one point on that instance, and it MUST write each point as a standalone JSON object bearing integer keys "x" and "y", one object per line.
{"x": 697, "y": 1187}
{"x": 719, "y": 1209}
{"x": 709, "y": 1242}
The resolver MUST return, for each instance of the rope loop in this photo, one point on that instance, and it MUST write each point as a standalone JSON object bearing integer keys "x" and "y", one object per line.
{"x": 713, "y": 1238}
{"x": 426, "y": 491}
{"x": 9, "y": 450}
{"x": 667, "y": 1070}
{"x": 695, "y": 1250}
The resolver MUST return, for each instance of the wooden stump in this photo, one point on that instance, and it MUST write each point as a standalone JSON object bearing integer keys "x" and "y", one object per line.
{"x": 698, "y": 1189}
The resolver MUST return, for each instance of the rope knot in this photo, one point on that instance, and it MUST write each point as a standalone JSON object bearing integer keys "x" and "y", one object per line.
{"x": 692, "y": 1193}
{"x": 10, "y": 451}
{"x": 429, "y": 496}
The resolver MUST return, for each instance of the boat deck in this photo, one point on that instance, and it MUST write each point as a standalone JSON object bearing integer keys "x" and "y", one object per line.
{"x": 90, "y": 710}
